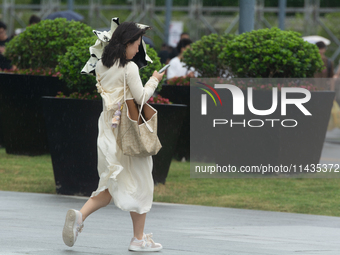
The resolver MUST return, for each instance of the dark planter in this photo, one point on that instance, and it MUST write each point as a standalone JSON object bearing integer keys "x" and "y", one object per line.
{"x": 2, "y": 138}
{"x": 170, "y": 119}
{"x": 180, "y": 95}
{"x": 21, "y": 113}
{"x": 72, "y": 127}
{"x": 247, "y": 146}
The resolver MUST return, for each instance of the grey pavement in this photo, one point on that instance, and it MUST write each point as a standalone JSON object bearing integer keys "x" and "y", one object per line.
{"x": 32, "y": 224}
{"x": 331, "y": 148}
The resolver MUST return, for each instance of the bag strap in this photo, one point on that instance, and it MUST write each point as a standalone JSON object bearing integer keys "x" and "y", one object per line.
{"x": 124, "y": 85}
{"x": 140, "y": 107}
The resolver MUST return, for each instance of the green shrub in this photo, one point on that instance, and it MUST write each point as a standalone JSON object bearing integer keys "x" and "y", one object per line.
{"x": 147, "y": 71}
{"x": 40, "y": 45}
{"x": 203, "y": 55}
{"x": 72, "y": 62}
{"x": 271, "y": 53}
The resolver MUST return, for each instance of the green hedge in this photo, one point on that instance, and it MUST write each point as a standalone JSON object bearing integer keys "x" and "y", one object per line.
{"x": 40, "y": 45}
{"x": 271, "y": 53}
{"x": 203, "y": 55}
{"x": 73, "y": 61}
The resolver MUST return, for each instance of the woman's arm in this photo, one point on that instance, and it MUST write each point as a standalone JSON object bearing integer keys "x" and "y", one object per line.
{"x": 134, "y": 82}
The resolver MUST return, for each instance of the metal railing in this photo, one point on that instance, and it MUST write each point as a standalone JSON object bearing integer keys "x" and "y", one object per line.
{"x": 199, "y": 19}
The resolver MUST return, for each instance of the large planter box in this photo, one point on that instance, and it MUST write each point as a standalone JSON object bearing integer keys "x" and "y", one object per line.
{"x": 2, "y": 138}
{"x": 170, "y": 119}
{"x": 21, "y": 113}
{"x": 180, "y": 95}
{"x": 72, "y": 127}
{"x": 255, "y": 146}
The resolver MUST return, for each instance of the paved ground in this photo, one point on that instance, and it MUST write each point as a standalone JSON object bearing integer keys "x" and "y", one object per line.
{"x": 331, "y": 148}
{"x": 32, "y": 224}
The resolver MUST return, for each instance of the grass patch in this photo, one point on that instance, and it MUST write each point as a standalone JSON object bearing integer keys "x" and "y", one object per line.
{"x": 298, "y": 195}
{"x": 26, "y": 174}
{"x": 310, "y": 196}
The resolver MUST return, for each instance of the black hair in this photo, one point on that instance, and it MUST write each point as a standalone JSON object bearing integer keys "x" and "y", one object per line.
{"x": 34, "y": 19}
{"x": 184, "y": 33}
{"x": 321, "y": 45}
{"x": 3, "y": 25}
{"x": 125, "y": 33}
{"x": 182, "y": 44}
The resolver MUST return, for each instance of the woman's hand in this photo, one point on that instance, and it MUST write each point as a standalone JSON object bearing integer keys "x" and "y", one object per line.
{"x": 157, "y": 75}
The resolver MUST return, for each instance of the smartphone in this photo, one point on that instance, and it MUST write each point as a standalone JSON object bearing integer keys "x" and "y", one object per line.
{"x": 164, "y": 68}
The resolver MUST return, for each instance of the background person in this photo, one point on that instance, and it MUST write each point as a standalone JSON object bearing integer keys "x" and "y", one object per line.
{"x": 5, "y": 64}
{"x": 164, "y": 54}
{"x": 34, "y": 19}
{"x": 177, "y": 67}
{"x": 125, "y": 180}
{"x": 185, "y": 35}
{"x": 334, "y": 121}
{"x": 328, "y": 71}
{"x": 173, "y": 52}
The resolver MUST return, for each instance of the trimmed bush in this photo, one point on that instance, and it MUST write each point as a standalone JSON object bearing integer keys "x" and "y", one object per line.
{"x": 271, "y": 53}
{"x": 40, "y": 45}
{"x": 72, "y": 62}
{"x": 203, "y": 55}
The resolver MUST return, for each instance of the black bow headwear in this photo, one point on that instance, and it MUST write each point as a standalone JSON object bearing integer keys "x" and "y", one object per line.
{"x": 96, "y": 50}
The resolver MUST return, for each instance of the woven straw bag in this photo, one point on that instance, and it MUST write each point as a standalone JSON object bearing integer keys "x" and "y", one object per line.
{"x": 137, "y": 131}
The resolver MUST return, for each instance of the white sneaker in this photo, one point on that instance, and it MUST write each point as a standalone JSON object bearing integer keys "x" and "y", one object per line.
{"x": 73, "y": 226}
{"x": 146, "y": 244}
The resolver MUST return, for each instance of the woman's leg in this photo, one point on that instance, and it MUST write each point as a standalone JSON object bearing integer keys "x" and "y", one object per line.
{"x": 74, "y": 219}
{"x": 95, "y": 203}
{"x": 138, "y": 221}
{"x": 144, "y": 242}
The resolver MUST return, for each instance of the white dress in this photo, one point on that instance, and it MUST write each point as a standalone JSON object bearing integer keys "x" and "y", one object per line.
{"x": 128, "y": 179}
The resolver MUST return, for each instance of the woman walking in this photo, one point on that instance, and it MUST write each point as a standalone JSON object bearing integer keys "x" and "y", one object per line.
{"x": 125, "y": 180}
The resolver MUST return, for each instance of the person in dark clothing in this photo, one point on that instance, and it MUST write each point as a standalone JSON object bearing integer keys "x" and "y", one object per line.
{"x": 34, "y": 19}
{"x": 328, "y": 71}
{"x": 174, "y": 51}
{"x": 4, "y": 62}
{"x": 164, "y": 54}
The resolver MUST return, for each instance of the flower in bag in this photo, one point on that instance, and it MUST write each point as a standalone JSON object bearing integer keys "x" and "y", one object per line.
{"x": 116, "y": 116}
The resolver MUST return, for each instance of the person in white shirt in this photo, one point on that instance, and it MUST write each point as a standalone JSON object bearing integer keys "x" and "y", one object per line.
{"x": 177, "y": 67}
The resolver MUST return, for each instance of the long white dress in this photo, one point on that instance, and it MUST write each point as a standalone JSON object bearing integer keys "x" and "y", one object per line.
{"x": 128, "y": 179}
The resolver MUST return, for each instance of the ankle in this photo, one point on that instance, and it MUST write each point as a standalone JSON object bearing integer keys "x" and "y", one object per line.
{"x": 83, "y": 216}
{"x": 139, "y": 237}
